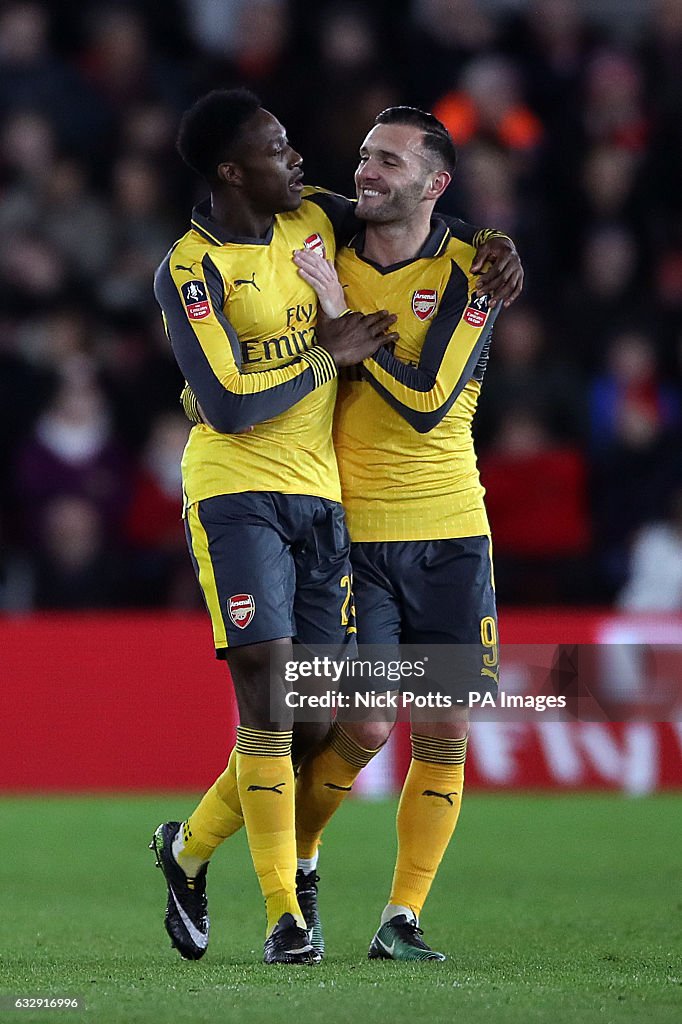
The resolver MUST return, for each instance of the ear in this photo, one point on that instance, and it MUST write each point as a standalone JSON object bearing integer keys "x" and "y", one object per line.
{"x": 437, "y": 185}
{"x": 230, "y": 174}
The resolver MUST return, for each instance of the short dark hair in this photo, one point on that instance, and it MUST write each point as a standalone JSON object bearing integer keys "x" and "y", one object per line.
{"x": 436, "y": 138}
{"x": 210, "y": 127}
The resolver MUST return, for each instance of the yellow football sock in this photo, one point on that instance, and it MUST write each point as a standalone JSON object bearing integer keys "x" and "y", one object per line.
{"x": 265, "y": 779}
{"x": 427, "y": 815}
{"x": 217, "y": 817}
{"x": 323, "y": 781}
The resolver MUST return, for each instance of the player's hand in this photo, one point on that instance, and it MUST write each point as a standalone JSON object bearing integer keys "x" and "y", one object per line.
{"x": 353, "y": 337}
{"x": 321, "y": 275}
{"x": 499, "y": 265}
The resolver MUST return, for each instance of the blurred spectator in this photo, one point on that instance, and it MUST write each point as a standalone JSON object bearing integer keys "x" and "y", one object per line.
{"x": 143, "y": 229}
{"x": 630, "y": 399}
{"x": 139, "y": 374}
{"x": 28, "y": 148}
{"x": 73, "y": 452}
{"x": 58, "y": 207}
{"x": 551, "y": 41}
{"x": 604, "y": 298}
{"x": 443, "y": 36}
{"x": 122, "y": 67}
{"x": 489, "y": 105}
{"x": 212, "y": 26}
{"x": 76, "y": 567}
{"x": 609, "y": 180}
{"x": 486, "y": 184}
{"x": 252, "y": 34}
{"x": 149, "y": 131}
{"x": 655, "y": 569}
{"x": 664, "y": 50}
{"x": 488, "y": 188}
{"x": 633, "y": 479}
{"x": 33, "y": 77}
{"x": 614, "y": 111}
{"x": 536, "y": 495}
{"x": 33, "y": 275}
{"x": 154, "y": 528}
{"x": 262, "y": 34}
{"x": 54, "y": 339}
{"x": 254, "y": 43}
{"x": 524, "y": 374}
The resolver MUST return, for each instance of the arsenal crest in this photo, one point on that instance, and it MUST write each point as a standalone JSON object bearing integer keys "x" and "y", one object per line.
{"x": 477, "y": 311}
{"x": 241, "y": 608}
{"x": 316, "y": 245}
{"x": 424, "y": 303}
{"x": 196, "y": 300}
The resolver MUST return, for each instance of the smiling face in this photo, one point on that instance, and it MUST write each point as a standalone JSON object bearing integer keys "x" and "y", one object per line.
{"x": 396, "y": 174}
{"x": 265, "y": 167}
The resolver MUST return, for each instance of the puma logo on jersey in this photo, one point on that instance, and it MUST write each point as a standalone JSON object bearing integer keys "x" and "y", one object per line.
{"x": 248, "y": 280}
{"x": 190, "y": 269}
{"x": 443, "y": 796}
{"x": 267, "y": 789}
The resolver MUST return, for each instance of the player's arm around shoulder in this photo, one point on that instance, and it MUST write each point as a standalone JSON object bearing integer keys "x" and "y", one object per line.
{"x": 496, "y": 260}
{"x": 339, "y": 211}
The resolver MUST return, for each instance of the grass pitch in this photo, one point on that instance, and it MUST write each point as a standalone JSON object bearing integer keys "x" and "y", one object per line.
{"x": 552, "y": 909}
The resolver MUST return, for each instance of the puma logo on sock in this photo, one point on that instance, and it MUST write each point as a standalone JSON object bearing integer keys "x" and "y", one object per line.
{"x": 268, "y": 789}
{"x": 342, "y": 789}
{"x": 444, "y": 796}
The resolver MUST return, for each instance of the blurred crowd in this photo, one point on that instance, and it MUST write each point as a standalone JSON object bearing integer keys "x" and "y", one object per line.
{"x": 571, "y": 141}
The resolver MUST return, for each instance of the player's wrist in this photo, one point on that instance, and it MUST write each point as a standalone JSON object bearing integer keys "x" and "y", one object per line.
{"x": 486, "y": 234}
{"x": 322, "y": 363}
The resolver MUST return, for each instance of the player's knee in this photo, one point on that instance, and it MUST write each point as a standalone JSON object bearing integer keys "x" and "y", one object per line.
{"x": 259, "y": 685}
{"x": 370, "y": 735}
{"x": 455, "y": 729}
{"x": 259, "y": 664}
{"x": 249, "y": 665}
{"x": 308, "y": 736}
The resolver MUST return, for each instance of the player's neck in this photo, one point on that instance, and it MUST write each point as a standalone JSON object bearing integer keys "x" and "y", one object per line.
{"x": 387, "y": 244}
{"x": 238, "y": 219}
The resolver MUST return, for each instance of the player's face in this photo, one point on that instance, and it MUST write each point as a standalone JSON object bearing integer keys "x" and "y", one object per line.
{"x": 271, "y": 171}
{"x": 393, "y": 174}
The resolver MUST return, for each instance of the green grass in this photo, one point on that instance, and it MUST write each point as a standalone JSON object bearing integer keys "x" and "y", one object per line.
{"x": 553, "y": 910}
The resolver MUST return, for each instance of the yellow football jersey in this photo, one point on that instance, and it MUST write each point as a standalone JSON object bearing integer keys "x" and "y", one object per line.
{"x": 402, "y": 428}
{"x": 241, "y": 322}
